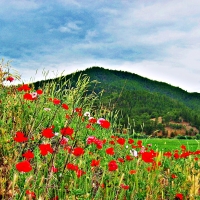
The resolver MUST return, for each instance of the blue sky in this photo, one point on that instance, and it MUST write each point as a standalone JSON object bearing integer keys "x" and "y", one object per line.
{"x": 157, "y": 39}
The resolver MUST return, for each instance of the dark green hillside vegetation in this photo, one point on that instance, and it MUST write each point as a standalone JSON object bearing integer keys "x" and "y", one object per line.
{"x": 139, "y": 99}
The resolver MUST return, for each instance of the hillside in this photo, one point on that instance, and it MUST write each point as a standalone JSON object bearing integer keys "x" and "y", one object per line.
{"x": 140, "y": 99}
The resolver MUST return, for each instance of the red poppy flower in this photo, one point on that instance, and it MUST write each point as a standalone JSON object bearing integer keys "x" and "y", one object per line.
{"x": 64, "y": 141}
{"x": 89, "y": 126}
{"x": 78, "y": 151}
{"x": 130, "y": 141}
{"x": 54, "y": 169}
{"x": 48, "y": 133}
{"x": 39, "y": 92}
{"x": 67, "y": 116}
{"x": 72, "y": 167}
{"x": 78, "y": 110}
{"x": 28, "y": 96}
{"x": 125, "y": 187}
{"x": 176, "y": 156}
{"x": 183, "y": 147}
{"x": 110, "y": 151}
{"x": 112, "y": 142}
{"x": 147, "y": 157}
{"x": 112, "y": 165}
{"x": 139, "y": 143}
{"x": 167, "y": 154}
{"x": 56, "y": 101}
{"x": 174, "y": 176}
{"x": 132, "y": 171}
{"x": 28, "y": 155}
{"x": 55, "y": 198}
{"x": 20, "y": 137}
{"x": 179, "y": 196}
{"x": 128, "y": 157}
{"x": 45, "y": 149}
{"x": 80, "y": 173}
{"x": 121, "y": 160}
{"x": 95, "y": 163}
{"x": 105, "y": 124}
{"x": 10, "y": 78}
{"x": 24, "y": 87}
{"x": 67, "y": 131}
{"x": 24, "y": 166}
{"x": 92, "y": 120}
{"x": 31, "y": 194}
{"x": 91, "y": 139}
{"x": 65, "y": 106}
{"x": 121, "y": 141}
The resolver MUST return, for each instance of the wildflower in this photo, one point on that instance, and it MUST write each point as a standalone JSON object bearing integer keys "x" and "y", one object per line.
{"x": 64, "y": 141}
{"x": 39, "y": 92}
{"x": 56, "y": 133}
{"x": 110, "y": 151}
{"x": 55, "y": 198}
{"x": 24, "y": 87}
{"x": 54, "y": 169}
{"x": 142, "y": 150}
{"x": 10, "y": 78}
{"x": 28, "y": 155}
{"x": 87, "y": 114}
{"x": 20, "y": 137}
{"x": 28, "y": 96}
{"x": 132, "y": 171}
{"x": 103, "y": 123}
{"x": 92, "y": 120}
{"x": 67, "y": 131}
{"x": 56, "y": 101}
{"x": 121, "y": 141}
{"x": 72, "y": 167}
{"x": 78, "y": 110}
{"x": 183, "y": 147}
{"x": 147, "y": 157}
{"x": 174, "y": 176}
{"x": 45, "y": 149}
{"x": 91, "y": 139}
{"x": 79, "y": 173}
{"x": 67, "y": 116}
{"x": 89, "y": 126}
{"x": 130, "y": 141}
{"x": 65, "y": 106}
{"x": 31, "y": 194}
{"x": 78, "y": 151}
{"x": 134, "y": 153}
{"x": 128, "y": 157}
{"x": 34, "y": 95}
{"x": 112, "y": 165}
{"x": 121, "y": 160}
{"x": 167, "y": 154}
{"x": 179, "y": 196}
{"x": 112, "y": 142}
{"x": 48, "y": 133}
{"x": 24, "y": 166}
{"x": 125, "y": 187}
{"x": 95, "y": 163}
{"x": 139, "y": 143}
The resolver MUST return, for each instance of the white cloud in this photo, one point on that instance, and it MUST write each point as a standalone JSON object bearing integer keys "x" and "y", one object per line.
{"x": 70, "y": 27}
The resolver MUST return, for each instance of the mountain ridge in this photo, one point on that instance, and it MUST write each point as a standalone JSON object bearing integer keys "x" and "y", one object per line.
{"x": 141, "y": 98}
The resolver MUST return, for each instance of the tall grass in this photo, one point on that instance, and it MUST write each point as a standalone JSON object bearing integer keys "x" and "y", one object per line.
{"x": 54, "y": 145}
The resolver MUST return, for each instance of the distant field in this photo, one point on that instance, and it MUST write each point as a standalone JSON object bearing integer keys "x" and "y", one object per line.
{"x": 172, "y": 144}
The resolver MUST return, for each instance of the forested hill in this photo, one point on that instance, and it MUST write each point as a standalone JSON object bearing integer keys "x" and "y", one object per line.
{"x": 142, "y": 99}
